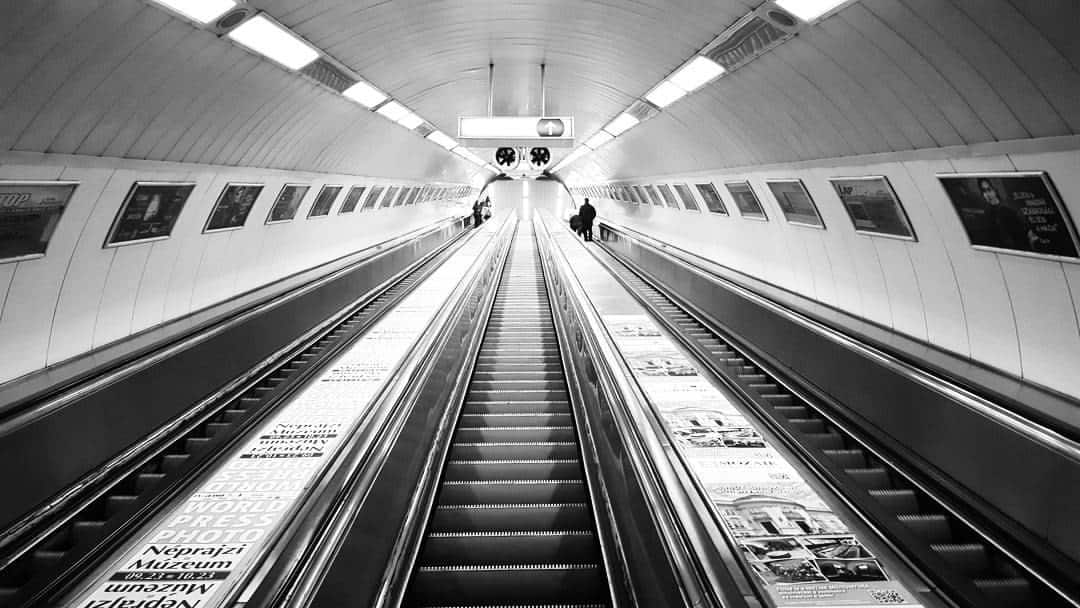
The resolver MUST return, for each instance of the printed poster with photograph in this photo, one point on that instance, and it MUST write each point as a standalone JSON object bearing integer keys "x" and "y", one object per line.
{"x": 352, "y": 199}
{"x": 745, "y": 200}
{"x": 29, "y": 213}
{"x": 1012, "y": 211}
{"x": 873, "y": 206}
{"x": 803, "y": 553}
{"x": 795, "y": 202}
{"x": 287, "y": 203}
{"x": 233, "y": 206}
{"x": 324, "y": 201}
{"x": 149, "y": 212}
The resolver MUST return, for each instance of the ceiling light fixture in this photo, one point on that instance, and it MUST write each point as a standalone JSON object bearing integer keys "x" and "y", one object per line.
{"x": 621, "y": 123}
{"x": 365, "y": 94}
{"x": 664, "y": 94}
{"x": 600, "y": 138}
{"x": 203, "y": 11}
{"x": 573, "y": 156}
{"x": 808, "y": 10}
{"x": 274, "y": 41}
{"x": 443, "y": 140}
{"x": 695, "y": 74}
{"x": 410, "y": 121}
{"x": 393, "y": 110}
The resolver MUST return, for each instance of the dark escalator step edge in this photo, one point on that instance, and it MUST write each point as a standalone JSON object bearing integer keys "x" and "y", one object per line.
{"x": 512, "y": 407}
{"x": 875, "y": 478}
{"x": 517, "y": 395}
{"x": 512, "y": 517}
{"x": 496, "y": 450}
{"x": 509, "y": 547}
{"x": 901, "y": 500}
{"x": 520, "y": 433}
{"x": 848, "y": 459}
{"x": 464, "y": 470}
{"x": 1006, "y": 592}
{"x": 933, "y": 528}
{"x": 969, "y": 558}
{"x": 516, "y": 419}
{"x": 82, "y": 530}
{"x": 116, "y": 503}
{"x": 517, "y": 586}
{"x": 512, "y": 491}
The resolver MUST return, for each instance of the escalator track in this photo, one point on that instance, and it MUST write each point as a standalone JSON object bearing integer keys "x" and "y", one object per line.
{"x": 971, "y": 569}
{"x": 513, "y": 523}
{"x": 44, "y": 554}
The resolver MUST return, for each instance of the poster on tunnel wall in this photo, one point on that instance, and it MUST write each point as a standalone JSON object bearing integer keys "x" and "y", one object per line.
{"x": 29, "y": 214}
{"x": 803, "y": 553}
{"x": 149, "y": 212}
{"x": 1012, "y": 212}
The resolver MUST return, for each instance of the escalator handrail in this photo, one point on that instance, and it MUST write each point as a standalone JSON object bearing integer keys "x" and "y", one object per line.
{"x": 679, "y": 512}
{"x": 22, "y": 410}
{"x": 1022, "y": 425}
{"x": 289, "y": 574}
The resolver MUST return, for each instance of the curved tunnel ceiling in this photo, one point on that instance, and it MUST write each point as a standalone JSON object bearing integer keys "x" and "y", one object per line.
{"x": 124, "y": 78}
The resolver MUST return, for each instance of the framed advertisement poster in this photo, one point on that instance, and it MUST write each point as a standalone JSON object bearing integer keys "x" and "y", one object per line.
{"x": 389, "y": 197}
{"x": 372, "y": 198}
{"x": 746, "y": 201}
{"x": 873, "y": 206}
{"x": 324, "y": 201}
{"x": 149, "y": 212}
{"x": 1015, "y": 212}
{"x": 687, "y": 197}
{"x": 232, "y": 207}
{"x": 668, "y": 196}
{"x": 795, "y": 202}
{"x": 287, "y": 203}
{"x": 352, "y": 199}
{"x": 712, "y": 199}
{"x": 29, "y": 213}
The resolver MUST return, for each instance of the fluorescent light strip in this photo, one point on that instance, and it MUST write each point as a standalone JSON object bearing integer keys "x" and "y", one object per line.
{"x": 664, "y": 94}
{"x": 621, "y": 123}
{"x": 410, "y": 121}
{"x": 393, "y": 110}
{"x": 203, "y": 11}
{"x": 573, "y": 156}
{"x": 808, "y": 10}
{"x": 365, "y": 94}
{"x": 443, "y": 140}
{"x": 600, "y": 138}
{"x": 274, "y": 41}
{"x": 695, "y": 74}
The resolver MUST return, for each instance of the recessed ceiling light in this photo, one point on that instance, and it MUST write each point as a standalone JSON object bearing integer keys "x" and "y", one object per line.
{"x": 621, "y": 123}
{"x": 393, "y": 110}
{"x": 573, "y": 156}
{"x": 664, "y": 94}
{"x": 600, "y": 138}
{"x": 410, "y": 120}
{"x": 808, "y": 10}
{"x": 274, "y": 41}
{"x": 443, "y": 140}
{"x": 365, "y": 94}
{"x": 203, "y": 11}
{"x": 693, "y": 75}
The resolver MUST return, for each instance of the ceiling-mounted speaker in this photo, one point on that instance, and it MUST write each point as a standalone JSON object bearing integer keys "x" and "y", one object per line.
{"x": 228, "y": 22}
{"x": 539, "y": 157}
{"x": 507, "y": 158}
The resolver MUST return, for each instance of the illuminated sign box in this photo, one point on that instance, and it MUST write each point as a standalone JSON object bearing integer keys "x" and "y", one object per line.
{"x": 552, "y": 131}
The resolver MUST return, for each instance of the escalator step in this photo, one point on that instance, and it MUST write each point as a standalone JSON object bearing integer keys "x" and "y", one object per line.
{"x": 524, "y": 384}
{"x": 471, "y": 470}
{"x": 898, "y": 501}
{"x": 47, "y": 559}
{"x": 512, "y": 491}
{"x": 475, "y": 395}
{"x": 511, "y": 407}
{"x": 213, "y": 428}
{"x": 171, "y": 463}
{"x": 1006, "y": 592}
{"x": 933, "y": 528}
{"x": 116, "y": 503}
{"x": 812, "y": 426}
{"x": 875, "y": 478}
{"x": 147, "y": 480}
{"x": 792, "y": 411}
{"x": 519, "y": 374}
{"x": 533, "y": 586}
{"x": 490, "y": 548}
{"x": 825, "y": 441}
{"x": 514, "y": 449}
{"x": 511, "y": 517}
{"x": 516, "y": 419}
{"x": 969, "y": 558}
{"x": 848, "y": 459}
{"x": 521, "y": 433}
{"x": 85, "y": 529}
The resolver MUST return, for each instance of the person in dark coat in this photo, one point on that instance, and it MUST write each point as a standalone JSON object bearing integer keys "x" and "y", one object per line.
{"x": 477, "y": 213}
{"x": 587, "y": 213}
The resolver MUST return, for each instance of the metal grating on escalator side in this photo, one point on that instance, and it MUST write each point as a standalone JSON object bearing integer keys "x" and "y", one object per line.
{"x": 970, "y": 568}
{"x": 513, "y": 524}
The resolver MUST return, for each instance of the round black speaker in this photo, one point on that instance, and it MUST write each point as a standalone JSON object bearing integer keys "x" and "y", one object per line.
{"x": 506, "y": 157}
{"x": 539, "y": 156}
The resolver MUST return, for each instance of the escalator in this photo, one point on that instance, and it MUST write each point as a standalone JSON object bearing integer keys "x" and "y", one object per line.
{"x": 513, "y": 521}
{"x": 961, "y": 559}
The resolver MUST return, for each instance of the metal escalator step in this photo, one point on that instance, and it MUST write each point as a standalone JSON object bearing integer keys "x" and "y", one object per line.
{"x": 809, "y": 425}
{"x": 792, "y": 411}
{"x": 213, "y": 428}
{"x": 479, "y": 395}
{"x": 778, "y": 399}
{"x": 492, "y": 547}
{"x": 824, "y": 441}
{"x": 147, "y": 480}
{"x": 514, "y": 449}
{"x": 933, "y": 528}
{"x": 170, "y": 463}
{"x": 1006, "y": 592}
{"x": 898, "y": 501}
{"x": 566, "y": 468}
{"x": 848, "y": 459}
{"x": 116, "y": 503}
{"x": 47, "y": 559}
{"x": 521, "y": 433}
{"x": 530, "y": 384}
{"x": 509, "y": 585}
{"x": 85, "y": 529}
{"x": 516, "y": 419}
{"x": 512, "y": 491}
{"x": 873, "y": 478}
{"x": 969, "y": 558}
{"x": 511, "y": 517}
{"x": 511, "y": 407}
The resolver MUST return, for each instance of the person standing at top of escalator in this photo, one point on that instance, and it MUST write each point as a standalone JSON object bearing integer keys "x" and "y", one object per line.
{"x": 477, "y": 213}
{"x": 587, "y": 213}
